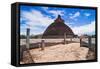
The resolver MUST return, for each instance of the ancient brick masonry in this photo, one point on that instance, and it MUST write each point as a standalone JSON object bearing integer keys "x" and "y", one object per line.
{"x": 57, "y": 29}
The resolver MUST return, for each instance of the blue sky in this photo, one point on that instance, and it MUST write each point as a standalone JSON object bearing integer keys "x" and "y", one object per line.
{"x": 38, "y": 18}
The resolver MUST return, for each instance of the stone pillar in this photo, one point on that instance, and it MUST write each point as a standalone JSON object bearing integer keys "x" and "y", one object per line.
{"x": 39, "y": 45}
{"x": 42, "y": 45}
{"x": 64, "y": 38}
{"x": 70, "y": 38}
{"x": 80, "y": 41}
{"x": 21, "y": 53}
{"x": 27, "y": 38}
{"x": 89, "y": 41}
{"x": 28, "y": 43}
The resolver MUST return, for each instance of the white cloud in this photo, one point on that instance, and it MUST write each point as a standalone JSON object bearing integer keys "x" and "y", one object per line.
{"x": 75, "y": 15}
{"x": 87, "y": 14}
{"x": 45, "y": 8}
{"x": 34, "y": 19}
{"x": 85, "y": 29}
{"x": 70, "y": 24}
{"x": 54, "y": 12}
{"x": 57, "y": 12}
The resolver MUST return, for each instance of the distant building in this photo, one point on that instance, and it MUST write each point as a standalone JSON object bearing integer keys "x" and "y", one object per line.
{"x": 57, "y": 29}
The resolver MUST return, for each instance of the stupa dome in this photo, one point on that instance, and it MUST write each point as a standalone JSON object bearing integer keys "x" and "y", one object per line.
{"x": 57, "y": 29}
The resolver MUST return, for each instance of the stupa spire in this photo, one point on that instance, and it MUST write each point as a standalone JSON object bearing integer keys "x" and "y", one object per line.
{"x": 59, "y": 16}
{"x": 59, "y": 19}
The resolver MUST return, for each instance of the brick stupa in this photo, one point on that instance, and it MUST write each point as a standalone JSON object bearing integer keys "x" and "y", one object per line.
{"x": 57, "y": 29}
